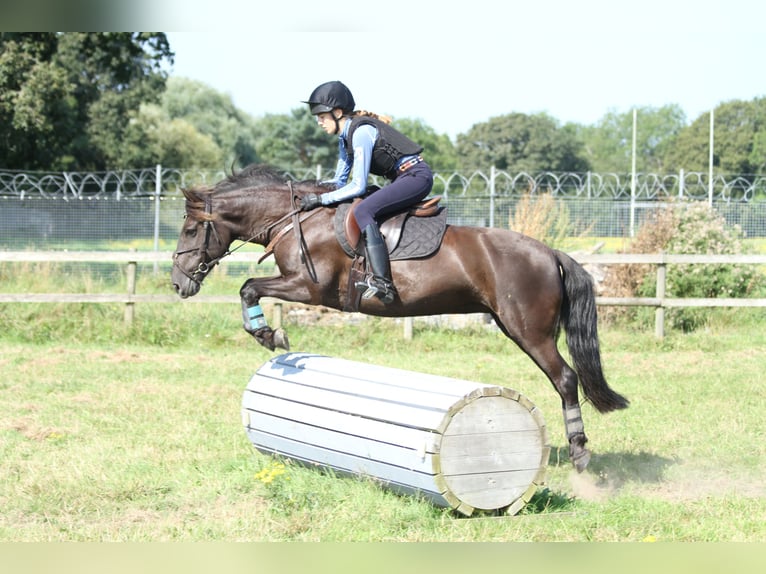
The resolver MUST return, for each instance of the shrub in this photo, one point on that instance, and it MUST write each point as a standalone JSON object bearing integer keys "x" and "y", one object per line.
{"x": 684, "y": 228}
{"x": 543, "y": 218}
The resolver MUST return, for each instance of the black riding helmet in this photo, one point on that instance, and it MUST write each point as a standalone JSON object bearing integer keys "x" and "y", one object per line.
{"x": 330, "y": 95}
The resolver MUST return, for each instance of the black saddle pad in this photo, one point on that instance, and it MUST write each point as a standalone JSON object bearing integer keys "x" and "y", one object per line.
{"x": 421, "y": 236}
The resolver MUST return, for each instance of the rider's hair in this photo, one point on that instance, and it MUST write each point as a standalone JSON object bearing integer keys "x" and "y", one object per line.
{"x": 384, "y": 119}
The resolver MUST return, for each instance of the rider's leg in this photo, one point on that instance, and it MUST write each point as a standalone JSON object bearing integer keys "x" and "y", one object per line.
{"x": 380, "y": 284}
{"x": 407, "y": 189}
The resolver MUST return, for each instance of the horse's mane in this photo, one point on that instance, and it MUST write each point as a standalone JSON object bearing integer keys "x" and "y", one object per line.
{"x": 251, "y": 177}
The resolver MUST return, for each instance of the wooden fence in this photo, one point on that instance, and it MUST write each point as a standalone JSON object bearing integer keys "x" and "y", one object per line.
{"x": 131, "y": 259}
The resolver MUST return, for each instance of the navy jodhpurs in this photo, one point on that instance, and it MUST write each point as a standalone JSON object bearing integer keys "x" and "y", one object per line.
{"x": 407, "y": 189}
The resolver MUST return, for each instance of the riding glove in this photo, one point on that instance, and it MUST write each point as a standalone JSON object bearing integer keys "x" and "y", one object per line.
{"x": 310, "y": 201}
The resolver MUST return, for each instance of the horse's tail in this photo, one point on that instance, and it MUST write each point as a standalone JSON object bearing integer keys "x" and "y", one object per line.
{"x": 580, "y": 321}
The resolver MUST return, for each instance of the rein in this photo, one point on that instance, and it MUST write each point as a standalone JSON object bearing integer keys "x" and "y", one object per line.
{"x": 204, "y": 267}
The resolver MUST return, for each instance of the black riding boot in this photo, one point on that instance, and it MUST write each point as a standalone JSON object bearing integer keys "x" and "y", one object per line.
{"x": 380, "y": 284}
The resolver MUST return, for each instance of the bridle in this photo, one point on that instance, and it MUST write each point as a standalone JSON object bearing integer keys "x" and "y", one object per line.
{"x": 204, "y": 267}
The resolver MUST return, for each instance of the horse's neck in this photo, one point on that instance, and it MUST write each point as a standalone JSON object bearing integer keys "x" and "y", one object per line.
{"x": 257, "y": 214}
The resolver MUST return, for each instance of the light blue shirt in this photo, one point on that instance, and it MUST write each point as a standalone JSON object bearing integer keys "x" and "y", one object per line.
{"x": 357, "y": 166}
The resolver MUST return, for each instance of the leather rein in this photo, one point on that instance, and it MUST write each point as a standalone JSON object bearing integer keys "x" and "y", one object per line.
{"x": 296, "y": 219}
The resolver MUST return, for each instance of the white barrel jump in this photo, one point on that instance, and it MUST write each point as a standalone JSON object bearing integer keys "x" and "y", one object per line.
{"x": 458, "y": 443}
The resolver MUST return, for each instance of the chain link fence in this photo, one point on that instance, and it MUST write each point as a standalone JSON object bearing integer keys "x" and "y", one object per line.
{"x": 143, "y": 209}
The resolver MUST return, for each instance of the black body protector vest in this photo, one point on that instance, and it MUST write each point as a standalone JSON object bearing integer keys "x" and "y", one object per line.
{"x": 390, "y": 146}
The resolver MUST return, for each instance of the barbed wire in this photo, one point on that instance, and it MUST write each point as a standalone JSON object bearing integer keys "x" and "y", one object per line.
{"x": 118, "y": 184}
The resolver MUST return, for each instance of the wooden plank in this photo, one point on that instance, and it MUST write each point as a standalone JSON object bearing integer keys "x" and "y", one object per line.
{"x": 490, "y": 491}
{"x": 388, "y": 378}
{"x": 405, "y": 415}
{"x": 245, "y": 256}
{"x": 356, "y": 383}
{"x": 436, "y": 497}
{"x": 419, "y": 440}
{"x": 500, "y": 451}
{"x": 341, "y": 461}
{"x": 490, "y": 414}
{"x": 341, "y": 442}
{"x": 110, "y": 256}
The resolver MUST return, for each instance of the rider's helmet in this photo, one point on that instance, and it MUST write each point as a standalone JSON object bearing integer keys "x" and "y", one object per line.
{"x": 330, "y": 95}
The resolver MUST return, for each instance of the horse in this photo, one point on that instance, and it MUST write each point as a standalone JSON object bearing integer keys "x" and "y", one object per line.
{"x": 530, "y": 289}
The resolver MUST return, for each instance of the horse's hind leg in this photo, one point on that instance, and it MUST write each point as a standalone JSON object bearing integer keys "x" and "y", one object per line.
{"x": 564, "y": 380}
{"x": 541, "y": 348}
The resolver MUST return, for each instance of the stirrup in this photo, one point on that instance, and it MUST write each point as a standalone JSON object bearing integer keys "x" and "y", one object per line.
{"x": 382, "y": 291}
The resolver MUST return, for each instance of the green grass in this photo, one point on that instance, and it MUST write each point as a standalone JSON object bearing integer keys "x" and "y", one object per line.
{"x": 134, "y": 434}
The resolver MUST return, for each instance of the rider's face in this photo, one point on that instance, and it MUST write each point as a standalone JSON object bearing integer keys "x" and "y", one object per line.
{"x": 327, "y": 121}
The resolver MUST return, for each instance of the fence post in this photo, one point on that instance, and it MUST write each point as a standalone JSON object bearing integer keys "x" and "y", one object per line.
{"x": 681, "y": 183}
{"x": 408, "y": 324}
{"x": 130, "y": 305}
{"x": 157, "y": 192}
{"x": 277, "y": 315}
{"x": 659, "y": 312}
{"x": 492, "y": 196}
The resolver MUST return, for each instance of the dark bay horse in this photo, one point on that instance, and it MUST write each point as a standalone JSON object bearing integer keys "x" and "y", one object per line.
{"x": 530, "y": 290}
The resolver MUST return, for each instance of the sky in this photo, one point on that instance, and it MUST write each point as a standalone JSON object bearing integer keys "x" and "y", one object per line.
{"x": 453, "y": 65}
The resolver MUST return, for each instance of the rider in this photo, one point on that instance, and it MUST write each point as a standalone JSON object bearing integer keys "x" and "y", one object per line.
{"x": 368, "y": 144}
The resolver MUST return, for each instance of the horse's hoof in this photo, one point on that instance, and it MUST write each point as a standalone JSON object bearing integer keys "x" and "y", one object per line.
{"x": 581, "y": 460}
{"x": 265, "y": 337}
{"x": 280, "y": 339}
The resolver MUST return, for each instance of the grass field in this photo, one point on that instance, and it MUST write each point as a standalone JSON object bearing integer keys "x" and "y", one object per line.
{"x": 115, "y": 434}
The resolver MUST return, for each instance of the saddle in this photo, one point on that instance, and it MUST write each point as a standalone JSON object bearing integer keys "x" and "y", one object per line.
{"x": 393, "y": 229}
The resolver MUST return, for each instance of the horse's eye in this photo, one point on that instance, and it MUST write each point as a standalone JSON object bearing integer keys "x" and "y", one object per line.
{"x": 191, "y": 232}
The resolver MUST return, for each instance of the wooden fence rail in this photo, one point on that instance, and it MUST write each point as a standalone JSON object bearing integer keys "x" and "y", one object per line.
{"x": 131, "y": 258}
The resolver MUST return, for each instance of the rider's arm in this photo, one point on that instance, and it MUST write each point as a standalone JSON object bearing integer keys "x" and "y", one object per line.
{"x": 361, "y": 144}
{"x": 342, "y": 167}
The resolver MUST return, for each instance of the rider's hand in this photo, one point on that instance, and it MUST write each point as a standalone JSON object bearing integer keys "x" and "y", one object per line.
{"x": 309, "y": 202}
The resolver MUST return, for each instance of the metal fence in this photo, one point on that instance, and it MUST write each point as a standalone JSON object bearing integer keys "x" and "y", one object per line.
{"x": 144, "y": 208}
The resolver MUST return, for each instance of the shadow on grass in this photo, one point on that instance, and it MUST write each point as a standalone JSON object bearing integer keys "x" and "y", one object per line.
{"x": 619, "y": 468}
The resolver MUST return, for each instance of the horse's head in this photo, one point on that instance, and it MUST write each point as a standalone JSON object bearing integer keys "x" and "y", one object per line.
{"x": 249, "y": 205}
{"x": 201, "y": 243}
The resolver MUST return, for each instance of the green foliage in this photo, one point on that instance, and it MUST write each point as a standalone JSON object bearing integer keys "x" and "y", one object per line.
{"x": 738, "y": 143}
{"x": 687, "y": 228}
{"x": 214, "y": 115}
{"x": 438, "y": 149}
{"x": 609, "y": 143}
{"x": 543, "y": 218}
{"x": 295, "y": 140}
{"x": 518, "y": 142}
{"x": 69, "y": 96}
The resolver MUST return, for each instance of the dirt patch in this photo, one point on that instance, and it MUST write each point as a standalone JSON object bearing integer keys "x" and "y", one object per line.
{"x": 29, "y": 429}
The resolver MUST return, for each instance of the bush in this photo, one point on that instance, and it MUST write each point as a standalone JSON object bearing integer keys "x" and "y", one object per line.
{"x": 543, "y": 218}
{"x": 684, "y": 228}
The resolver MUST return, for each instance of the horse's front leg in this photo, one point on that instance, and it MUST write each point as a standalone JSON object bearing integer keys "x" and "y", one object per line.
{"x": 253, "y": 318}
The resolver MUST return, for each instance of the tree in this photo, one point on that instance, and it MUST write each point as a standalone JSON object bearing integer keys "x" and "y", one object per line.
{"x": 154, "y": 138}
{"x": 37, "y": 103}
{"x": 295, "y": 140}
{"x": 518, "y": 142}
{"x": 213, "y": 114}
{"x": 609, "y": 143}
{"x": 438, "y": 150}
{"x": 69, "y": 97}
{"x": 738, "y": 144}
